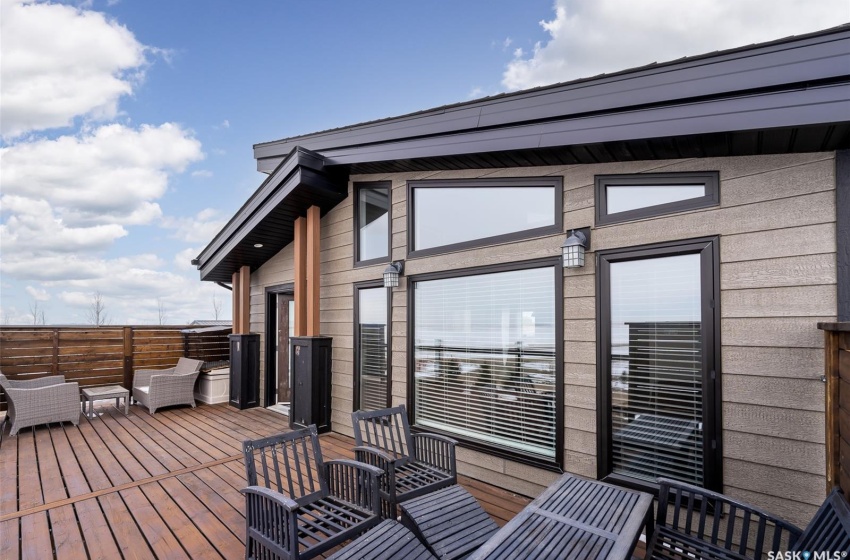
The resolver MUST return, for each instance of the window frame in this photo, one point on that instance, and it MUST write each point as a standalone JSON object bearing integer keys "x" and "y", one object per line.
{"x": 369, "y": 284}
{"x": 557, "y": 463}
{"x": 356, "y": 190}
{"x": 556, "y": 182}
{"x": 709, "y": 179}
{"x": 709, "y": 250}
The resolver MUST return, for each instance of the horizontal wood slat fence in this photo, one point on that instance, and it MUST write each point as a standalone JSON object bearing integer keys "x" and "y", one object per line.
{"x": 95, "y": 356}
{"x": 837, "y": 374}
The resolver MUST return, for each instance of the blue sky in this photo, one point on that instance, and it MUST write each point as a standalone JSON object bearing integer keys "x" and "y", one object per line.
{"x": 127, "y": 127}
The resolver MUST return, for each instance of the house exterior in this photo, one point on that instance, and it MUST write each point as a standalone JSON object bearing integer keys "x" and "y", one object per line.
{"x": 714, "y": 196}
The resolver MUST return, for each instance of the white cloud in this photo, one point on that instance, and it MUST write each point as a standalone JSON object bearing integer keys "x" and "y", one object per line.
{"x": 60, "y": 62}
{"x": 38, "y": 294}
{"x": 202, "y": 173}
{"x": 108, "y": 175}
{"x": 183, "y": 259}
{"x": 200, "y": 228}
{"x": 589, "y": 37}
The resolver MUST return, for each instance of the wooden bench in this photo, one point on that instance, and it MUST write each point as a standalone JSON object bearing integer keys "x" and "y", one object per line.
{"x": 388, "y": 541}
{"x": 298, "y": 506}
{"x": 414, "y": 464}
{"x": 450, "y": 522}
{"x": 693, "y": 522}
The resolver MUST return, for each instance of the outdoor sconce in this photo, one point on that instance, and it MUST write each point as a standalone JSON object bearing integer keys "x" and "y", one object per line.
{"x": 574, "y": 247}
{"x": 391, "y": 274}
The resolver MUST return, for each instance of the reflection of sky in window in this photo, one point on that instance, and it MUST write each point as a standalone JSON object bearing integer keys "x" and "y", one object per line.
{"x": 373, "y": 238}
{"x": 488, "y": 311}
{"x": 653, "y": 290}
{"x": 451, "y": 215}
{"x": 373, "y": 306}
{"x": 631, "y": 197}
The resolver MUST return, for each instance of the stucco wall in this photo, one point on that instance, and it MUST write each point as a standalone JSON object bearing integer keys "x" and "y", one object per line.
{"x": 776, "y": 223}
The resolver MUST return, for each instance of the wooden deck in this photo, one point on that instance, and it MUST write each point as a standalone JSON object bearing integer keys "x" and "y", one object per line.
{"x": 141, "y": 486}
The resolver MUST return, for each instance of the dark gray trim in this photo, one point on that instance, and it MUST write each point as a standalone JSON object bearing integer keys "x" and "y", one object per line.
{"x": 709, "y": 179}
{"x": 356, "y": 193}
{"x": 806, "y": 58}
{"x": 357, "y": 287}
{"x": 842, "y": 231}
{"x": 556, "y": 182}
{"x": 270, "y": 299}
{"x": 709, "y": 250}
{"x": 557, "y": 464}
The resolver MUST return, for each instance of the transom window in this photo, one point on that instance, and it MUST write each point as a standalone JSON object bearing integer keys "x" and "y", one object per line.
{"x": 485, "y": 365}
{"x": 372, "y": 226}
{"x": 621, "y": 198}
{"x": 456, "y": 214}
{"x": 658, "y": 402}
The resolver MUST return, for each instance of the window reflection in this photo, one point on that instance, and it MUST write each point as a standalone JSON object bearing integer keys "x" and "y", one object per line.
{"x": 372, "y": 349}
{"x": 373, "y": 222}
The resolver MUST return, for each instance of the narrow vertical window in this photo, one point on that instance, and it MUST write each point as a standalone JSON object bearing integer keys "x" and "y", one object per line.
{"x": 372, "y": 211}
{"x": 658, "y": 323}
{"x": 372, "y": 391}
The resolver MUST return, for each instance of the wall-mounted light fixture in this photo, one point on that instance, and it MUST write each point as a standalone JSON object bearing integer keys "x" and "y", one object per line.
{"x": 391, "y": 274}
{"x": 578, "y": 241}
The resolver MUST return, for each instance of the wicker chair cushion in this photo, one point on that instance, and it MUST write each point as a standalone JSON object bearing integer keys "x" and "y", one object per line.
{"x": 144, "y": 389}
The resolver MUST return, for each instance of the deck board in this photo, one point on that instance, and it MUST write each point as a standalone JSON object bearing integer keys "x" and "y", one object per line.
{"x": 142, "y": 486}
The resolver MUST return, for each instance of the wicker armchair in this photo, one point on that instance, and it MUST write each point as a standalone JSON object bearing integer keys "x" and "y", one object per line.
{"x": 40, "y": 401}
{"x": 156, "y": 388}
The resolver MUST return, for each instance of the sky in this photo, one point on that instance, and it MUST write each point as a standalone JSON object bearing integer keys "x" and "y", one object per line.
{"x": 127, "y": 126}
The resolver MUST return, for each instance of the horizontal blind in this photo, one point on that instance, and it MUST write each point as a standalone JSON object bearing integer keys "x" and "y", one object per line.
{"x": 485, "y": 358}
{"x": 656, "y": 368}
{"x": 372, "y": 347}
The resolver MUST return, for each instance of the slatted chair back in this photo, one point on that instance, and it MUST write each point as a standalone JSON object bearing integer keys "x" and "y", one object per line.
{"x": 829, "y": 529}
{"x": 386, "y": 429}
{"x": 289, "y": 463}
{"x": 695, "y": 522}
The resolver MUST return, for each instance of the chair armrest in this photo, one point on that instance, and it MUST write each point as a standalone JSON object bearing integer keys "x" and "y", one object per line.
{"x": 48, "y": 381}
{"x": 275, "y": 498}
{"x": 436, "y": 450}
{"x": 354, "y": 482}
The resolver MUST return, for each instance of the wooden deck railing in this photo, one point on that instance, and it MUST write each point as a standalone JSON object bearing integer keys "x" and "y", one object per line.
{"x": 837, "y": 377}
{"x": 102, "y": 355}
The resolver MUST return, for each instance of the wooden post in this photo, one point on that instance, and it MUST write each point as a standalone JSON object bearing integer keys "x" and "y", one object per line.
{"x": 234, "y": 295}
{"x": 128, "y": 357}
{"x": 300, "y": 276}
{"x": 313, "y": 256}
{"x": 55, "y": 368}
{"x": 245, "y": 299}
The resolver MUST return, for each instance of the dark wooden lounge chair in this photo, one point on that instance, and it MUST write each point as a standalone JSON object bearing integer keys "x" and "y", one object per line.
{"x": 298, "y": 506}
{"x": 413, "y": 464}
{"x": 388, "y": 541}
{"x": 688, "y": 526}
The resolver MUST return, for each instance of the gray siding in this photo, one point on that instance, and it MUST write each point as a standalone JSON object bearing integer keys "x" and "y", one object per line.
{"x": 776, "y": 223}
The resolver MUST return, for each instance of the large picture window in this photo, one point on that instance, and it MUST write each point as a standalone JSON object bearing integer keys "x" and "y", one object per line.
{"x": 372, "y": 225}
{"x": 372, "y": 350}
{"x": 485, "y": 359}
{"x": 658, "y": 394}
{"x": 481, "y": 212}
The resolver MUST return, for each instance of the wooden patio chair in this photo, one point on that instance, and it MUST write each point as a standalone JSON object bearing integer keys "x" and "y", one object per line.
{"x": 413, "y": 464}
{"x": 156, "y": 388}
{"x": 298, "y": 506}
{"x": 693, "y": 522}
{"x": 39, "y": 401}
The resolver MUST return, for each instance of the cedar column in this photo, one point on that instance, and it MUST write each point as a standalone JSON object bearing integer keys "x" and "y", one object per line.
{"x": 300, "y": 246}
{"x": 234, "y": 295}
{"x": 245, "y": 300}
{"x": 313, "y": 255}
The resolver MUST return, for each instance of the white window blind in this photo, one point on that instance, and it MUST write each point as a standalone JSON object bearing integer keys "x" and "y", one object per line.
{"x": 372, "y": 348}
{"x": 656, "y": 368}
{"x": 485, "y": 358}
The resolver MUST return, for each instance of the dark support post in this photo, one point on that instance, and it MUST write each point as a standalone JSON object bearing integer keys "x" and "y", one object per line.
{"x": 842, "y": 231}
{"x": 55, "y": 351}
{"x": 128, "y": 357}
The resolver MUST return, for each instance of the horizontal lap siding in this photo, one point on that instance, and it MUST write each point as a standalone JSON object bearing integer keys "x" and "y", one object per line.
{"x": 776, "y": 223}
